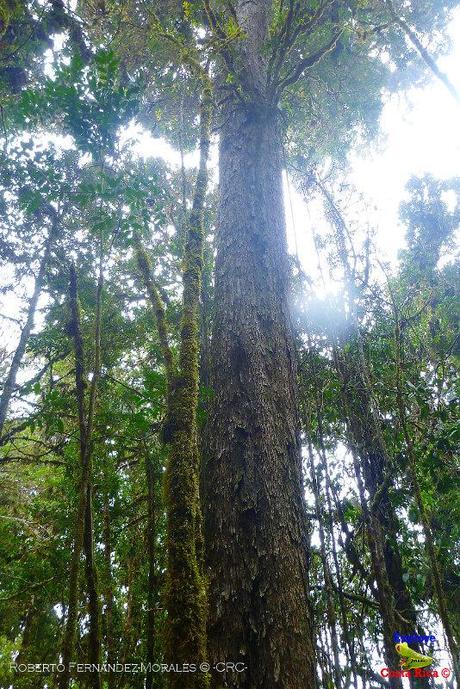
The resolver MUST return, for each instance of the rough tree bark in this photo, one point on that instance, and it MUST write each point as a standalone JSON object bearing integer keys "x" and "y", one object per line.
{"x": 255, "y": 521}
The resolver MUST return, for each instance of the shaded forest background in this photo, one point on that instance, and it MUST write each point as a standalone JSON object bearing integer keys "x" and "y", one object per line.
{"x": 153, "y": 339}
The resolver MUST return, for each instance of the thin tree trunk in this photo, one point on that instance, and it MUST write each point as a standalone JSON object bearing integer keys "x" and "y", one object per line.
{"x": 143, "y": 264}
{"x": 345, "y": 627}
{"x": 375, "y": 463}
{"x": 94, "y": 650}
{"x": 367, "y": 438}
{"x": 422, "y": 51}
{"x": 10, "y": 381}
{"x": 152, "y": 584}
{"x": 343, "y": 611}
{"x": 328, "y": 584}
{"x": 349, "y": 646}
{"x": 83, "y": 536}
{"x": 128, "y": 643}
{"x": 109, "y": 598}
{"x": 185, "y": 588}
{"x": 185, "y": 592}
{"x": 70, "y": 631}
{"x": 375, "y": 538}
{"x": 205, "y": 320}
{"x": 94, "y": 636}
{"x": 27, "y": 633}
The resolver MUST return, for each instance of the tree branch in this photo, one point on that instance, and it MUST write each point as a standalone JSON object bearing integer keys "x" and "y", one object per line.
{"x": 422, "y": 51}
{"x": 307, "y": 63}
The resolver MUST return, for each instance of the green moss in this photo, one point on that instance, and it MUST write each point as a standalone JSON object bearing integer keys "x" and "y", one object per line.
{"x": 186, "y": 589}
{"x": 185, "y": 584}
{"x": 8, "y": 8}
{"x": 145, "y": 269}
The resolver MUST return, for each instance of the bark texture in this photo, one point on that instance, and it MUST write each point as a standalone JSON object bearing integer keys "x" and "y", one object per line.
{"x": 255, "y": 522}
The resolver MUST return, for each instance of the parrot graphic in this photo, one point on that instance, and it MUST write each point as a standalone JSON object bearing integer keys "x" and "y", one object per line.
{"x": 411, "y": 659}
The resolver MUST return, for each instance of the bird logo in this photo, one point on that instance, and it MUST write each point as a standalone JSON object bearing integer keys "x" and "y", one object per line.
{"x": 411, "y": 659}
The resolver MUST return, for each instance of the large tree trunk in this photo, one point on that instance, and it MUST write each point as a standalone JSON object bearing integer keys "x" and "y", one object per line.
{"x": 253, "y": 503}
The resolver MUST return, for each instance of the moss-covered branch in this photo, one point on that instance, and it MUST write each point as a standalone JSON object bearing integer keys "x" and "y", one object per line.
{"x": 145, "y": 269}
{"x": 185, "y": 595}
{"x": 186, "y": 600}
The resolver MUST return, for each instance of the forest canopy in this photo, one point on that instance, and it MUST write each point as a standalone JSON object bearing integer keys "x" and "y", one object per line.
{"x": 229, "y": 423}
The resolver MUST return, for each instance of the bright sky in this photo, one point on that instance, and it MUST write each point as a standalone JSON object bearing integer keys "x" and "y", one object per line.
{"x": 420, "y": 133}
